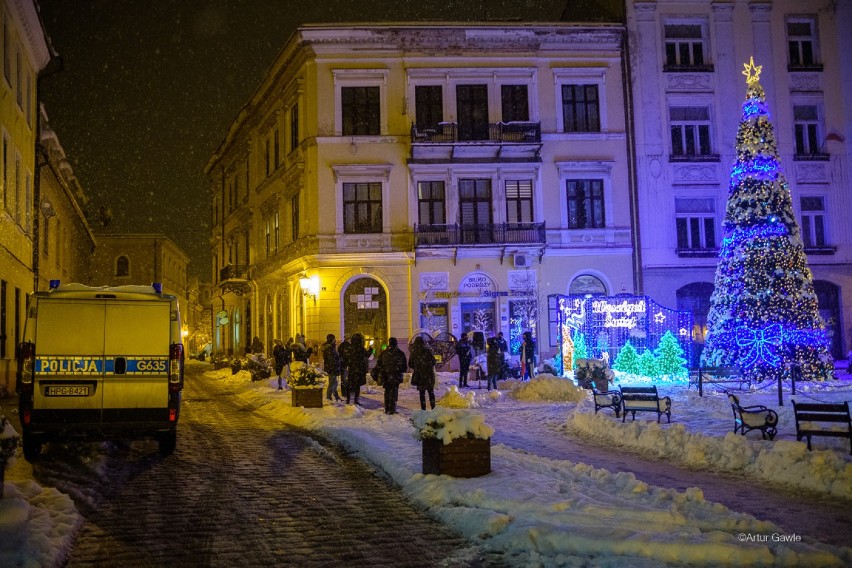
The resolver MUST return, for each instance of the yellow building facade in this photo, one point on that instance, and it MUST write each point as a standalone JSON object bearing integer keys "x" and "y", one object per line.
{"x": 398, "y": 179}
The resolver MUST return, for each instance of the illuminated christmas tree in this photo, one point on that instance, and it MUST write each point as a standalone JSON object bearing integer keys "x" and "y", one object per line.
{"x": 648, "y": 365}
{"x": 669, "y": 356}
{"x": 627, "y": 360}
{"x": 763, "y": 316}
{"x": 580, "y": 349}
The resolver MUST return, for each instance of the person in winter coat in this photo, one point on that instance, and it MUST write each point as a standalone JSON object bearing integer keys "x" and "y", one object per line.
{"x": 331, "y": 365}
{"x": 495, "y": 361}
{"x": 504, "y": 349}
{"x": 465, "y": 353}
{"x": 343, "y": 350}
{"x": 422, "y": 361}
{"x": 528, "y": 356}
{"x": 256, "y": 345}
{"x": 358, "y": 365}
{"x": 392, "y": 364}
{"x": 281, "y": 355}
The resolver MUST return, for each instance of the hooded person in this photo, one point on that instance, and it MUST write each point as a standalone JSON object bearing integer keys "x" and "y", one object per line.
{"x": 392, "y": 365}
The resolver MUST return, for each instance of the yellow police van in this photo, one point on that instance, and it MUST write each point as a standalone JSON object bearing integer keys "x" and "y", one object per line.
{"x": 102, "y": 363}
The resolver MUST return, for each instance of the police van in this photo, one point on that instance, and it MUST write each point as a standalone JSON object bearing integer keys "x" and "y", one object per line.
{"x": 104, "y": 363}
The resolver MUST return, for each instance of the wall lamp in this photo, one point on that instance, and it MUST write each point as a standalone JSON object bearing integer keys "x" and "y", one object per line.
{"x": 310, "y": 286}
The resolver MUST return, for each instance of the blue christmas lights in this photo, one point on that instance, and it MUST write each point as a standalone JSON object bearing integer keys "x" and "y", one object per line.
{"x": 755, "y": 107}
{"x": 759, "y": 345}
{"x": 759, "y": 167}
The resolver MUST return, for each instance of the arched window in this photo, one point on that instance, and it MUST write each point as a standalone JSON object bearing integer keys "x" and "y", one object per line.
{"x": 695, "y": 297}
{"x": 587, "y": 284}
{"x": 122, "y": 266}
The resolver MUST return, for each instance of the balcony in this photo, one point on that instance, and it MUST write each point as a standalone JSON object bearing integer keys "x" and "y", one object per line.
{"x": 479, "y": 235}
{"x": 500, "y": 141}
{"x": 697, "y": 252}
{"x": 234, "y": 278}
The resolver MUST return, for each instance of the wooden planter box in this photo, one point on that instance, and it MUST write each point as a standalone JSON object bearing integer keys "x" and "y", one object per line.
{"x": 463, "y": 457}
{"x": 307, "y": 398}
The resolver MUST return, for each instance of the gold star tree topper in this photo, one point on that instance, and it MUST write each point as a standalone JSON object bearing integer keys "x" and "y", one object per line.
{"x": 752, "y": 72}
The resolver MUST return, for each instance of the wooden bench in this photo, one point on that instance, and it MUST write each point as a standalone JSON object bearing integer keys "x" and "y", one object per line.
{"x": 717, "y": 376}
{"x": 607, "y": 399}
{"x": 757, "y": 417}
{"x": 645, "y": 399}
{"x": 817, "y": 419}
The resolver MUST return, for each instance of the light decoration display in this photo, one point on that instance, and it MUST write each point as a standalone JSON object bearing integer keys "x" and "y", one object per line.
{"x": 608, "y": 323}
{"x": 764, "y": 316}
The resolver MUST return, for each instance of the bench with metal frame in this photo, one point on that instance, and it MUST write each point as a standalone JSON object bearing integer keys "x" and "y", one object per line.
{"x": 607, "y": 399}
{"x": 818, "y": 419}
{"x": 645, "y": 399}
{"x": 755, "y": 417}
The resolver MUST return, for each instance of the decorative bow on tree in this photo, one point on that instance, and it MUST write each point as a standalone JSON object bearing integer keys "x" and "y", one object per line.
{"x": 759, "y": 344}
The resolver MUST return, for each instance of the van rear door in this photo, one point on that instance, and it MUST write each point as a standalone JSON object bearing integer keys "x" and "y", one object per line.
{"x": 136, "y": 353}
{"x": 69, "y": 363}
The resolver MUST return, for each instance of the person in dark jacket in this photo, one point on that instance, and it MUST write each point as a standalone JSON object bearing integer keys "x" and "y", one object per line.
{"x": 422, "y": 361}
{"x": 281, "y": 355}
{"x": 495, "y": 360}
{"x": 331, "y": 365}
{"x": 528, "y": 356}
{"x": 392, "y": 364}
{"x": 358, "y": 365}
{"x": 465, "y": 353}
{"x": 343, "y": 350}
{"x": 504, "y": 349}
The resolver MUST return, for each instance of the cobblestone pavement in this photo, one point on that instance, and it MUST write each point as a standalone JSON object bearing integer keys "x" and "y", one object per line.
{"x": 242, "y": 492}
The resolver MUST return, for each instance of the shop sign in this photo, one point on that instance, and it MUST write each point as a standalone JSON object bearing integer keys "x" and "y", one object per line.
{"x": 476, "y": 284}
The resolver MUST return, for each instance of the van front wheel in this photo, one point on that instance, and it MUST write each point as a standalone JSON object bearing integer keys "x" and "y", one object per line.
{"x": 168, "y": 442}
{"x": 32, "y": 447}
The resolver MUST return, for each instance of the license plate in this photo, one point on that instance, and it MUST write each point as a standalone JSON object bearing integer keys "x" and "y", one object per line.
{"x": 66, "y": 390}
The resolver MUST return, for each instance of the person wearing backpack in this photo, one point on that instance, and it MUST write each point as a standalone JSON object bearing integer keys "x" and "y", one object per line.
{"x": 422, "y": 361}
{"x": 392, "y": 364}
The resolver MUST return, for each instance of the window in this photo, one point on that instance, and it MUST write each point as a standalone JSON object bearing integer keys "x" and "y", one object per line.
{"x": 294, "y": 217}
{"x": 46, "y": 236}
{"x": 553, "y": 320}
{"x": 17, "y": 189}
{"x": 696, "y": 223}
{"x": 362, "y": 207}
{"x": 267, "y": 234}
{"x": 806, "y": 130}
{"x": 813, "y": 221}
{"x": 276, "y": 228}
{"x": 431, "y": 204}
{"x": 515, "y": 103}
{"x": 19, "y": 80}
{"x": 519, "y": 204}
{"x": 472, "y": 110}
{"x": 267, "y": 158}
{"x": 28, "y": 203}
{"x": 361, "y": 111}
{"x": 475, "y": 210}
{"x": 294, "y": 127}
{"x": 122, "y": 266}
{"x": 580, "y": 108}
{"x": 277, "y": 147}
{"x": 690, "y": 128}
{"x": 585, "y": 203}
{"x": 801, "y": 42}
{"x": 684, "y": 44}
{"x": 7, "y": 49}
{"x": 429, "y": 106}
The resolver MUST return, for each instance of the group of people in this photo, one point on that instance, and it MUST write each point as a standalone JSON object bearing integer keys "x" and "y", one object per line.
{"x": 496, "y": 365}
{"x": 285, "y": 353}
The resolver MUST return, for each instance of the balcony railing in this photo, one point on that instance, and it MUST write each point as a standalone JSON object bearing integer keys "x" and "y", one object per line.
{"x": 233, "y": 272}
{"x": 497, "y": 132}
{"x": 473, "y": 235}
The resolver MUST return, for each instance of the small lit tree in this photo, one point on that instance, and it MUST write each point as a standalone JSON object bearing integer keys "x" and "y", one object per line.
{"x": 580, "y": 349}
{"x": 627, "y": 360}
{"x": 669, "y": 356}
{"x": 648, "y": 364}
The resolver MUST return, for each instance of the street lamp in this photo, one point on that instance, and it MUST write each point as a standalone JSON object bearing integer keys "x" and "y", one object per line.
{"x": 310, "y": 286}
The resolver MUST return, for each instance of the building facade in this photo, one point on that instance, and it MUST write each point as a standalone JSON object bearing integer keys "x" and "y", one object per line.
{"x": 686, "y": 60}
{"x": 396, "y": 179}
{"x": 25, "y": 52}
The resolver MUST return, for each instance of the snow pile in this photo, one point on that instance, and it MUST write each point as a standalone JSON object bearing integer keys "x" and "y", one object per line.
{"x": 548, "y": 387}
{"x": 455, "y": 399}
{"x": 448, "y": 424}
{"x": 37, "y": 525}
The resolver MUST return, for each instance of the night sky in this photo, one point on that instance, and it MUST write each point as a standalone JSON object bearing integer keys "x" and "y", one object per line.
{"x": 149, "y": 88}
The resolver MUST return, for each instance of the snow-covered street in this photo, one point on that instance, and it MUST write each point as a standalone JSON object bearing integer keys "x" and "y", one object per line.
{"x": 543, "y": 505}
